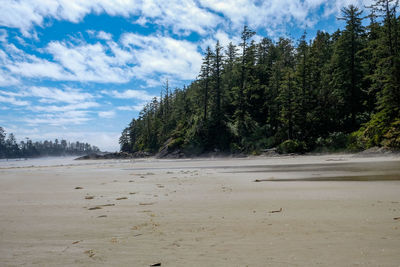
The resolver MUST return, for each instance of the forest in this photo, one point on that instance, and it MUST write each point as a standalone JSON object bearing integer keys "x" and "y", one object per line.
{"x": 338, "y": 91}
{"x": 10, "y": 148}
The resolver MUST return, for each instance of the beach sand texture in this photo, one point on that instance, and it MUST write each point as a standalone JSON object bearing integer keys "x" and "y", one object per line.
{"x": 331, "y": 210}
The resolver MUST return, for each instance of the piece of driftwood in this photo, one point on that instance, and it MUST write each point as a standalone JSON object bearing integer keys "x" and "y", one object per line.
{"x": 95, "y": 208}
{"x": 146, "y": 204}
{"x": 275, "y": 211}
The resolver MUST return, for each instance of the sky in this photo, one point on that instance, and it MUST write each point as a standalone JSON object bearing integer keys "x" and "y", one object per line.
{"x": 81, "y": 70}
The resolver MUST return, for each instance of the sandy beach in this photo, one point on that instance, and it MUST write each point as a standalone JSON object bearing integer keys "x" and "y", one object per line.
{"x": 330, "y": 210}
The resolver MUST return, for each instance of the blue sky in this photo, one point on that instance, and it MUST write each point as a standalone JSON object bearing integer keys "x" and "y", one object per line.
{"x": 81, "y": 70}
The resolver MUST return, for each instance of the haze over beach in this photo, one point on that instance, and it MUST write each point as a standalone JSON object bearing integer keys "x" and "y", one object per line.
{"x": 200, "y": 133}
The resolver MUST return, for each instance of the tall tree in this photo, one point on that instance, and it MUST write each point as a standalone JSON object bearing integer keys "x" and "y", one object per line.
{"x": 205, "y": 74}
{"x": 347, "y": 68}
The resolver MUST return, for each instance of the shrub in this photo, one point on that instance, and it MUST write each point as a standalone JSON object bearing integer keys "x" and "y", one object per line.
{"x": 333, "y": 142}
{"x": 292, "y": 146}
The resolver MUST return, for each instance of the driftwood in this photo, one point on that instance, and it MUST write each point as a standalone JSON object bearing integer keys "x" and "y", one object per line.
{"x": 275, "y": 211}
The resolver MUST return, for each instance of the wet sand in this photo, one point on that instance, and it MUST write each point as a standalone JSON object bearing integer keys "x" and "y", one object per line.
{"x": 333, "y": 210}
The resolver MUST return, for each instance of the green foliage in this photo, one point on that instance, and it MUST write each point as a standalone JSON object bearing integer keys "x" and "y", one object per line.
{"x": 292, "y": 146}
{"x": 333, "y": 142}
{"x": 338, "y": 90}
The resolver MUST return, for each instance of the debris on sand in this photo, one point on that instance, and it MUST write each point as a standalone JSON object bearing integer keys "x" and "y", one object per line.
{"x": 78, "y": 187}
{"x": 102, "y": 216}
{"x": 76, "y": 242}
{"x": 146, "y": 204}
{"x": 121, "y": 198}
{"x": 156, "y": 264}
{"x": 396, "y": 219}
{"x": 275, "y": 211}
{"x": 264, "y": 180}
{"x": 94, "y": 208}
{"x": 89, "y": 197}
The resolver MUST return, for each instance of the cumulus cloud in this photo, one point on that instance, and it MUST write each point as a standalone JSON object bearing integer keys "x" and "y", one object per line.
{"x": 137, "y": 107}
{"x": 51, "y": 95}
{"x": 70, "y": 107}
{"x": 163, "y": 55}
{"x": 107, "y": 114}
{"x": 181, "y": 15}
{"x": 137, "y": 56}
{"x": 13, "y": 101}
{"x": 129, "y": 94}
{"x": 72, "y": 117}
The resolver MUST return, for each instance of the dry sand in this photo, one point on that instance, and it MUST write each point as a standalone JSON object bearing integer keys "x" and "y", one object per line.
{"x": 334, "y": 210}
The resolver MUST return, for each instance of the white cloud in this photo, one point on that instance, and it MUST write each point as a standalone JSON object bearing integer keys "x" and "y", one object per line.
{"x": 129, "y": 94}
{"x": 73, "y": 117}
{"x": 71, "y": 107}
{"x": 181, "y": 15}
{"x": 3, "y": 35}
{"x": 137, "y": 107}
{"x": 107, "y": 114}
{"x": 83, "y": 62}
{"x": 163, "y": 55}
{"x": 104, "y": 35}
{"x": 51, "y": 95}
{"x": 7, "y": 79}
{"x": 13, "y": 101}
{"x": 92, "y": 62}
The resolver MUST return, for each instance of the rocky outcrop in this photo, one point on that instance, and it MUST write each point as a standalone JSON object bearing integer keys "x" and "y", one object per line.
{"x": 170, "y": 150}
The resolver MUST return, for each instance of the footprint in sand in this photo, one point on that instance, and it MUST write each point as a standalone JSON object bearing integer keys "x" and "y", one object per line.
{"x": 90, "y": 253}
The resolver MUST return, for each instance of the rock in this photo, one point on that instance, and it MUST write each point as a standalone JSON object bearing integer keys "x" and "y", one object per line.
{"x": 170, "y": 150}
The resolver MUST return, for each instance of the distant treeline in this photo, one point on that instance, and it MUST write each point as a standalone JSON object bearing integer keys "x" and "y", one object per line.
{"x": 9, "y": 148}
{"x": 339, "y": 90}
